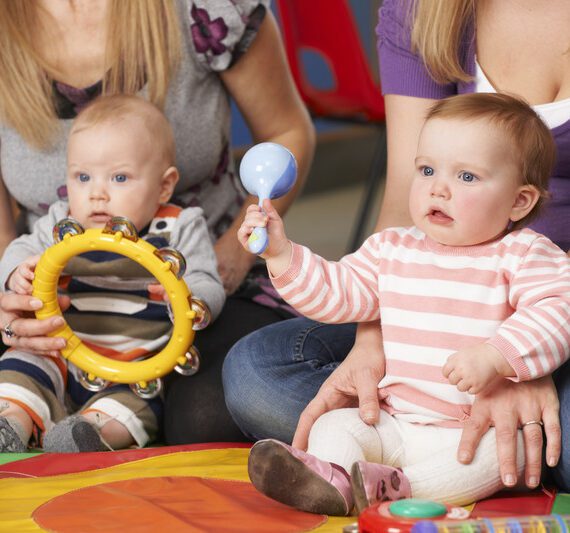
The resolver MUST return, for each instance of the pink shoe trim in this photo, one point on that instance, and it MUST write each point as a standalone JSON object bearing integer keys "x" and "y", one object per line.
{"x": 383, "y": 483}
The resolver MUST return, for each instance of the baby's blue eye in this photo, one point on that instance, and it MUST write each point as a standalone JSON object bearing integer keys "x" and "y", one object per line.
{"x": 427, "y": 171}
{"x": 120, "y": 178}
{"x": 467, "y": 177}
{"x": 83, "y": 177}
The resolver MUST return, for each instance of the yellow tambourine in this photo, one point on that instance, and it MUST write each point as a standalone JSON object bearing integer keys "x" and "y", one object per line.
{"x": 166, "y": 265}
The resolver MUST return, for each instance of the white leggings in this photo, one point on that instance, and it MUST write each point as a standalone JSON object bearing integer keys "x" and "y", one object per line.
{"x": 426, "y": 454}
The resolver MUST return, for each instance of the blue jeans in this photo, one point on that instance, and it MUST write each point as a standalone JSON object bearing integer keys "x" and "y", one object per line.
{"x": 561, "y": 473}
{"x": 270, "y": 375}
{"x": 273, "y": 373}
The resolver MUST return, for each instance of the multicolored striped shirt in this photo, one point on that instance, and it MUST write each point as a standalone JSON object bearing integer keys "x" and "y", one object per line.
{"x": 111, "y": 309}
{"x": 433, "y": 300}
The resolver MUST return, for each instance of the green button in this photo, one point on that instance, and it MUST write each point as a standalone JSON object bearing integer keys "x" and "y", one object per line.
{"x": 413, "y": 508}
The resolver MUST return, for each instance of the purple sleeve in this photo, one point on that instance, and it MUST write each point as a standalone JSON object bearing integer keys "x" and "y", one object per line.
{"x": 401, "y": 71}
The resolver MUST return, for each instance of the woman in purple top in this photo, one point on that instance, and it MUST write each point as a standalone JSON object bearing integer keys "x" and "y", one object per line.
{"x": 428, "y": 50}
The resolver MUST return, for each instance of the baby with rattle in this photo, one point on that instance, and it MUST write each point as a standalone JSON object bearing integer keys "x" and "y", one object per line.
{"x": 120, "y": 163}
{"x": 466, "y": 298}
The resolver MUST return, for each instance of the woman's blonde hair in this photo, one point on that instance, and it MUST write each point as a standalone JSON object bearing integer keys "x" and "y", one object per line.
{"x": 532, "y": 143}
{"x": 437, "y": 29}
{"x": 143, "y": 46}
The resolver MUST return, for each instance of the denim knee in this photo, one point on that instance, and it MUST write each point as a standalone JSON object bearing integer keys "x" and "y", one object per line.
{"x": 271, "y": 375}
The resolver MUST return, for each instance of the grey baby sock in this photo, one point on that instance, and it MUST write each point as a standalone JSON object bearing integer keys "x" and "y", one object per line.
{"x": 73, "y": 434}
{"x": 11, "y": 434}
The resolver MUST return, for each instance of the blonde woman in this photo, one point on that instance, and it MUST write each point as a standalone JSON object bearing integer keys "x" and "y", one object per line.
{"x": 189, "y": 57}
{"x": 428, "y": 49}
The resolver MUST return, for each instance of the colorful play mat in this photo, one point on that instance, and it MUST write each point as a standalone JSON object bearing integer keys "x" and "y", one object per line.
{"x": 193, "y": 488}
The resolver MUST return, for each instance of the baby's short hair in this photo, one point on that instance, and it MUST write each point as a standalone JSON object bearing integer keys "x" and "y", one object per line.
{"x": 533, "y": 145}
{"x": 113, "y": 108}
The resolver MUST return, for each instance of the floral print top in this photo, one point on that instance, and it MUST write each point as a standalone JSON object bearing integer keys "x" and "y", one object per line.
{"x": 215, "y": 34}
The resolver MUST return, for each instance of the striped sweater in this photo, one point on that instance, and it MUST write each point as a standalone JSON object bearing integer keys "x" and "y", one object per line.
{"x": 433, "y": 300}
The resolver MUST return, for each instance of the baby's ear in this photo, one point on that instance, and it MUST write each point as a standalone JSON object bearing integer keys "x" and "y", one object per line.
{"x": 525, "y": 200}
{"x": 167, "y": 183}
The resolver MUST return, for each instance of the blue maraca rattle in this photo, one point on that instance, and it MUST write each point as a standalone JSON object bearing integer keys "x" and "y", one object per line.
{"x": 267, "y": 170}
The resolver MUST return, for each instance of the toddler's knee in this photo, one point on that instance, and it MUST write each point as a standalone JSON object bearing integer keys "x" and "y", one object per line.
{"x": 331, "y": 424}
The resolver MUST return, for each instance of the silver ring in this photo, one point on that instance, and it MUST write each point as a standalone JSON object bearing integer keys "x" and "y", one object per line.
{"x": 530, "y": 422}
{"x": 8, "y": 331}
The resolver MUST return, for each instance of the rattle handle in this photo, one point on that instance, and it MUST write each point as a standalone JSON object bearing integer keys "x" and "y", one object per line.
{"x": 258, "y": 240}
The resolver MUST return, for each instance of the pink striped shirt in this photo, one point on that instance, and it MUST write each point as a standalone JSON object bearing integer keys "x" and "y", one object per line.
{"x": 433, "y": 300}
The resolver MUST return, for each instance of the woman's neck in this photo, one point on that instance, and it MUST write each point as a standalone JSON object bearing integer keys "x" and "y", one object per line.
{"x": 72, "y": 39}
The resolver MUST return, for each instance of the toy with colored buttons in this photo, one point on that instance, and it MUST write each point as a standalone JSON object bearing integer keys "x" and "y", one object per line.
{"x": 516, "y": 524}
{"x": 267, "y": 170}
{"x": 402, "y": 515}
{"x": 424, "y": 516}
{"x": 167, "y": 265}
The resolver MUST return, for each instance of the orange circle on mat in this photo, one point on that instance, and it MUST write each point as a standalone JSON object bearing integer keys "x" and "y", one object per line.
{"x": 171, "y": 504}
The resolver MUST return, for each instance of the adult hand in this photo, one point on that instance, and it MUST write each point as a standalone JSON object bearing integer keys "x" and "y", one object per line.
{"x": 29, "y": 333}
{"x": 353, "y": 383}
{"x": 233, "y": 261}
{"x": 508, "y": 408}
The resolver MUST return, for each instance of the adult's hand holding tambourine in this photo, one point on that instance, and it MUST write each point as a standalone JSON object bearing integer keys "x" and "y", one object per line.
{"x": 167, "y": 265}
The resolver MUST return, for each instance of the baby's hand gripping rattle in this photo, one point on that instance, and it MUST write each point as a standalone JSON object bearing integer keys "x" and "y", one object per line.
{"x": 167, "y": 265}
{"x": 267, "y": 170}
